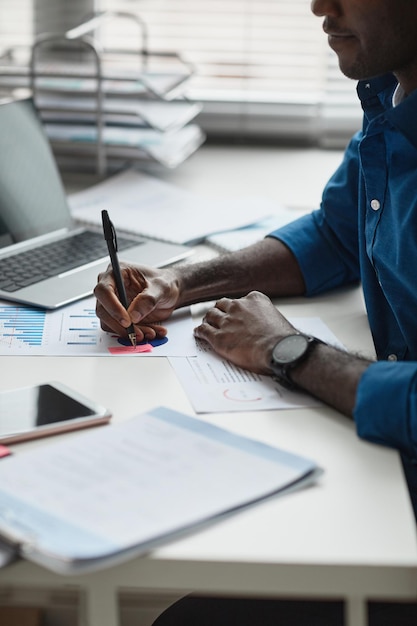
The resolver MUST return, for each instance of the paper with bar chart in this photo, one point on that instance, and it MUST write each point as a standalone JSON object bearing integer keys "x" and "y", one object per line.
{"x": 75, "y": 330}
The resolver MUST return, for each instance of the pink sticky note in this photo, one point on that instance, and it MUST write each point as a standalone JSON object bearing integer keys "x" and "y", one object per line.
{"x": 4, "y": 451}
{"x": 145, "y": 347}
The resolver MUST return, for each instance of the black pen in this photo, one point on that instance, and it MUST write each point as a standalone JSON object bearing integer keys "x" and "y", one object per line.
{"x": 111, "y": 240}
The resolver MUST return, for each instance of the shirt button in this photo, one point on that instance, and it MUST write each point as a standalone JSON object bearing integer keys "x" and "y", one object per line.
{"x": 375, "y": 204}
{"x": 392, "y": 357}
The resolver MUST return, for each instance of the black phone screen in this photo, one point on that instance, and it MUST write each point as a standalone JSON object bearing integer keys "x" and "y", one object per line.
{"x": 27, "y": 408}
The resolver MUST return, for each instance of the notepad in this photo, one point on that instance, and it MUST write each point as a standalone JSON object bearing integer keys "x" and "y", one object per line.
{"x": 101, "y": 498}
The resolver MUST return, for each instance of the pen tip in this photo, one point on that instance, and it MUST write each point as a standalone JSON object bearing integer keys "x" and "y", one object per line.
{"x": 132, "y": 338}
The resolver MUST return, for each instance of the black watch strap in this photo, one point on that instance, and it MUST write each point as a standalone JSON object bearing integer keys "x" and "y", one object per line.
{"x": 281, "y": 370}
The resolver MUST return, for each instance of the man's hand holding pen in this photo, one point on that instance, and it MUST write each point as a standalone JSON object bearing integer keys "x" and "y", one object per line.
{"x": 151, "y": 294}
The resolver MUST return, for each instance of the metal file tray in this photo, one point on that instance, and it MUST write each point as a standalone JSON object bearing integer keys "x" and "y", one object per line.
{"x": 77, "y": 82}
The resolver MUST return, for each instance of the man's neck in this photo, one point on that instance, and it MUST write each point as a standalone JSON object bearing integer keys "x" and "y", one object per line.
{"x": 407, "y": 81}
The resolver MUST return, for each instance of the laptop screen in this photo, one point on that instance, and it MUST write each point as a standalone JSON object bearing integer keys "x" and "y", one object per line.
{"x": 32, "y": 198}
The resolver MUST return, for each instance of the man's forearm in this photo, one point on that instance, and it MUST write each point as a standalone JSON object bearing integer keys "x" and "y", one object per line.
{"x": 332, "y": 376}
{"x": 267, "y": 266}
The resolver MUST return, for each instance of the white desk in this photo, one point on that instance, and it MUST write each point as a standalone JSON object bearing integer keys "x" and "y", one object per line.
{"x": 351, "y": 536}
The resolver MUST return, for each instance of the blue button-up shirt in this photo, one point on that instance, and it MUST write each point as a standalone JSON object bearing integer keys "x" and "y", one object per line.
{"x": 366, "y": 230}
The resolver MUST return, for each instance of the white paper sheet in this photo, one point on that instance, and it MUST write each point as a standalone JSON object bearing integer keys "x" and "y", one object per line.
{"x": 239, "y": 238}
{"x": 142, "y": 204}
{"x": 75, "y": 330}
{"x": 215, "y": 385}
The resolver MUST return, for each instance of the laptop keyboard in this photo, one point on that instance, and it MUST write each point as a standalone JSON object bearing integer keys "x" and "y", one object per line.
{"x": 33, "y": 266}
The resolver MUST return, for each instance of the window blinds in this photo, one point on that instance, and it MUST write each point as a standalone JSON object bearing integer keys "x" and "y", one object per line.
{"x": 263, "y": 67}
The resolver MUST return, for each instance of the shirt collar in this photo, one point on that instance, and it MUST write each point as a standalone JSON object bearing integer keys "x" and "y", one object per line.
{"x": 376, "y": 97}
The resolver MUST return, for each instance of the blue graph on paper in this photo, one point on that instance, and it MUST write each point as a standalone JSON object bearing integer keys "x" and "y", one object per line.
{"x": 82, "y": 328}
{"x": 28, "y": 330}
{"x": 22, "y": 325}
{"x": 75, "y": 330}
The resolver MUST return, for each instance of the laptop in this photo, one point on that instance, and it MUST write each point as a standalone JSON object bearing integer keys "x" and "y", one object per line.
{"x": 42, "y": 250}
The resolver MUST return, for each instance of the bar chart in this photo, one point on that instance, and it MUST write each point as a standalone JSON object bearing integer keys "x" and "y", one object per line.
{"x": 21, "y": 326}
{"x": 82, "y": 327}
{"x": 75, "y": 330}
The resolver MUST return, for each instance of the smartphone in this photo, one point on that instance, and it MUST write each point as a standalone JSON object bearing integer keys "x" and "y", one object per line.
{"x": 42, "y": 410}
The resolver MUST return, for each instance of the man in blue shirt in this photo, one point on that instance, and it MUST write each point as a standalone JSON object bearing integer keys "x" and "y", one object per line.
{"x": 365, "y": 230}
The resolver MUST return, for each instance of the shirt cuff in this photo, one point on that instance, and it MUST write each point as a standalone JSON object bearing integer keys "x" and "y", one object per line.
{"x": 386, "y": 406}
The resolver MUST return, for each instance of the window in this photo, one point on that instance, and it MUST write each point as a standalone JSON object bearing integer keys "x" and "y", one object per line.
{"x": 263, "y": 67}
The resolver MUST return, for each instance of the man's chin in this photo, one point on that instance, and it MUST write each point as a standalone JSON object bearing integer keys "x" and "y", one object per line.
{"x": 357, "y": 70}
{"x": 356, "y": 73}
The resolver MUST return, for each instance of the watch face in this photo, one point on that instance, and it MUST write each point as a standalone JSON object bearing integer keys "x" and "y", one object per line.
{"x": 290, "y": 349}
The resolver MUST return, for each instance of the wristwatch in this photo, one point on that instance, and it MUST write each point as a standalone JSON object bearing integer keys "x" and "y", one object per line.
{"x": 288, "y": 353}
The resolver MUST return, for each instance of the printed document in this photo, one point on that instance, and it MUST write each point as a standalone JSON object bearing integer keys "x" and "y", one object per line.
{"x": 75, "y": 330}
{"x": 102, "y": 497}
{"x": 215, "y": 385}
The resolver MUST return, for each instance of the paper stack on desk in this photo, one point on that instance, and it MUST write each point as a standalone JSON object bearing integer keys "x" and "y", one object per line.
{"x": 103, "y": 497}
{"x": 147, "y": 206}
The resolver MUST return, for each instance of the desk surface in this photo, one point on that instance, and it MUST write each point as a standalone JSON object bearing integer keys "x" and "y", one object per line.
{"x": 353, "y": 534}
{"x": 358, "y": 516}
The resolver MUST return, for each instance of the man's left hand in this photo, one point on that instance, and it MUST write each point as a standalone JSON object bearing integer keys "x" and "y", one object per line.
{"x": 245, "y": 330}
